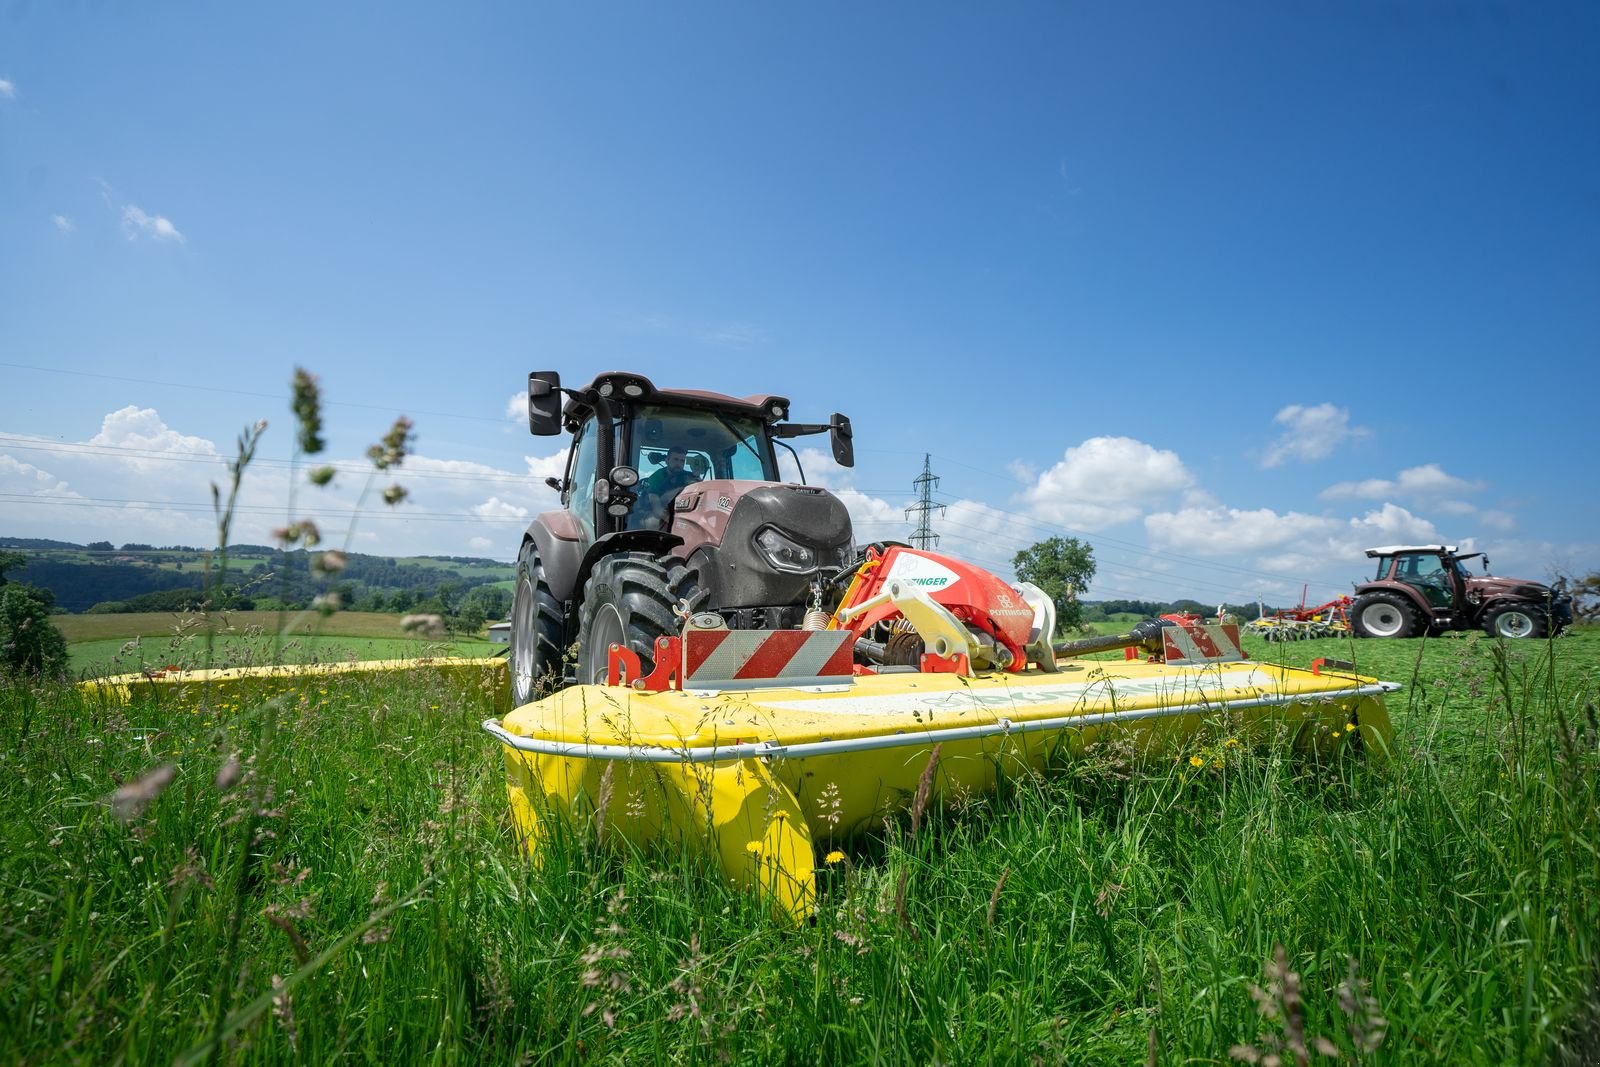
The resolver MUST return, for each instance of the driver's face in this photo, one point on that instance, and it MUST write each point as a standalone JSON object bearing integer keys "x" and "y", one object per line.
{"x": 675, "y": 460}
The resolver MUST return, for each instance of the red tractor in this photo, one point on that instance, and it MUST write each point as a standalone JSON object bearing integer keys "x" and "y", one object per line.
{"x": 671, "y": 506}
{"x": 1427, "y": 589}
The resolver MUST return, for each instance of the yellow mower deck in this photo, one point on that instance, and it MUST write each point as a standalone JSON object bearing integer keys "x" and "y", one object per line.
{"x": 762, "y": 777}
{"x": 190, "y": 686}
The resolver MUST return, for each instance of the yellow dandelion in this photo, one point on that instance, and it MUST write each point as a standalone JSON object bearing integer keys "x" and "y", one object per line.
{"x": 1232, "y": 742}
{"x": 753, "y": 847}
{"x": 1216, "y": 763}
{"x": 1196, "y": 761}
{"x": 833, "y": 857}
{"x": 1350, "y": 727}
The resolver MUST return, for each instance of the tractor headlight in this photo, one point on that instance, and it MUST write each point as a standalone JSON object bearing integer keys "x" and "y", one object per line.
{"x": 785, "y": 553}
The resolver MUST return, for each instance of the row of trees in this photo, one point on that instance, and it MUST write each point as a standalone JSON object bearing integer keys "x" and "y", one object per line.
{"x": 286, "y": 578}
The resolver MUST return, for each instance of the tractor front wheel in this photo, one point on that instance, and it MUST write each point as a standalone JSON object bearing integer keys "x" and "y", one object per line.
{"x": 631, "y": 599}
{"x": 1384, "y": 614}
{"x": 538, "y": 630}
{"x": 1516, "y": 620}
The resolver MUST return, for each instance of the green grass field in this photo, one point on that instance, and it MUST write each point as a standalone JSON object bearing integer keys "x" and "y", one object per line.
{"x": 123, "y": 643}
{"x": 356, "y": 895}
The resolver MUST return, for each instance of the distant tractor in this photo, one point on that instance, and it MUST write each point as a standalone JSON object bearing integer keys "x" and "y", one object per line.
{"x": 672, "y": 507}
{"x": 1422, "y": 589}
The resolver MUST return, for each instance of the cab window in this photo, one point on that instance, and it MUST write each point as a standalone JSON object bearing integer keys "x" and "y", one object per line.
{"x": 585, "y": 455}
{"x": 716, "y": 445}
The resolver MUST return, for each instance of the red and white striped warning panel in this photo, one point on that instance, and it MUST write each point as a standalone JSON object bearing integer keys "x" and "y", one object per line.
{"x": 728, "y": 659}
{"x": 1210, "y": 642}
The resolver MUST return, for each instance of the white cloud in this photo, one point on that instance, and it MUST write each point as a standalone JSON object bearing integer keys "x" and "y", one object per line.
{"x": 1105, "y": 481}
{"x": 482, "y": 544}
{"x": 496, "y": 510}
{"x": 517, "y": 408}
{"x": 24, "y": 479}
{"x": 138, "y": 430}
{"x": 63, "y": 223}
{"x": 1310, "y": 433}
{"x": 8, "y": 89}
{"x": 1223, "y": 531}
{"x": 542, "y": 467}
{"x": 157, "y": 227}
{"x": 1427, "y": 481}
{"x": 1292, "y": 542}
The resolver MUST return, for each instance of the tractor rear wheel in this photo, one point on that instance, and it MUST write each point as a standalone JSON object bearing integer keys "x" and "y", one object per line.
{"x": 1384, "y": 614}
{"x": 1516, "y": 620}
{"x": 538, "y": 630}
{"x": 631, "y": 599}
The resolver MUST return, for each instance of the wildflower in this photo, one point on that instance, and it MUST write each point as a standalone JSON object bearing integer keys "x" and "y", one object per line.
{"x": 753, "y": 847}
{"x": 1232, "y": 742}
{"x": 1349, "y": 727}
{"x": 307, "y": 407}
{"x": 1196, "y": 761}
{"x": 833, "y": 857}
{"x": 1336, "y": 733}
{"x": 330, "y": 562}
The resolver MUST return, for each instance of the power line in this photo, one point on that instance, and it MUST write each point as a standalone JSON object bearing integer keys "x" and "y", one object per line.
{"x": 195, "y": 507}
{"x": 239, "y": 392}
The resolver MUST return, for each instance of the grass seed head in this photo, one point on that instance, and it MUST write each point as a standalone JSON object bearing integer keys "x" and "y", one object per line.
{"x": 919, "y": 803}
{"x": 129, "y": 801}
{"x": 307, "y": 407}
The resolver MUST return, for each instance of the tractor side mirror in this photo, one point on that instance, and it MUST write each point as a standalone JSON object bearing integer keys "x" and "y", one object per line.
{"x": 839, "y": 434}
{"x": 1486, "y": 564}
{"x": 544, "y": 403}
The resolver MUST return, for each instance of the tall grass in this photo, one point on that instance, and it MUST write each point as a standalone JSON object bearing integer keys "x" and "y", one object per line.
{"x": 331, "y": 876}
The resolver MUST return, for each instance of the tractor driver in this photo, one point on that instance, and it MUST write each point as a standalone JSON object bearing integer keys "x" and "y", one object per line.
{"x": 658, "y": 490}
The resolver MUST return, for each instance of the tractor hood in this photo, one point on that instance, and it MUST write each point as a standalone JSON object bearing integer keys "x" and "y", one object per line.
{"x": 761, "y": 543}
{"x": 1519, "y": 588}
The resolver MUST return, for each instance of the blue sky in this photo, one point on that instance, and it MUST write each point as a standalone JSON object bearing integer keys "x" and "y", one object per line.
{"x": 1231, "y": 291}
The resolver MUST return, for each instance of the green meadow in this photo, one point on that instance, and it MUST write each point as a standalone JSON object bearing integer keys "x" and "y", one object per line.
{"x": 330, "y": 876}
{"x": 99, "y": 645}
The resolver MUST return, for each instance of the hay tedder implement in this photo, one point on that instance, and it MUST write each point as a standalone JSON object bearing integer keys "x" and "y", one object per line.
{"x": 1302, "y": 623}
{"x": 701, "y": 657}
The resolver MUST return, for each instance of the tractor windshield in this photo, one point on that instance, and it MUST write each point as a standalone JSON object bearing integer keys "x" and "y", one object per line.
{"x": 715, "y": 445}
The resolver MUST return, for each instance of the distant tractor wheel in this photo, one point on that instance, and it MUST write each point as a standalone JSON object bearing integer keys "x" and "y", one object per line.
{"x": 1516, "y": 620}
{"x": 1383, "y": 614}
{"x": 538, "y": 630}
{"x": 631, "y": 599}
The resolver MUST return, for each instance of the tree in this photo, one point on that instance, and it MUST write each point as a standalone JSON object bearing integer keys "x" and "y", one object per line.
{"x": 1062, "y": 567}
{"x": 29, "y": 642}
{"x": 10, "y": 561}
{"x": 470, "y": 620}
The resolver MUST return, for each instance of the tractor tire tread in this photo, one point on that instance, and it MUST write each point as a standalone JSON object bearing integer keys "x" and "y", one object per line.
{"x": 645, "y": 589}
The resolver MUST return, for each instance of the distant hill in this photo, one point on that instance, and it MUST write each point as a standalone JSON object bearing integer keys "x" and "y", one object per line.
{"x": 99, "y": 577}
